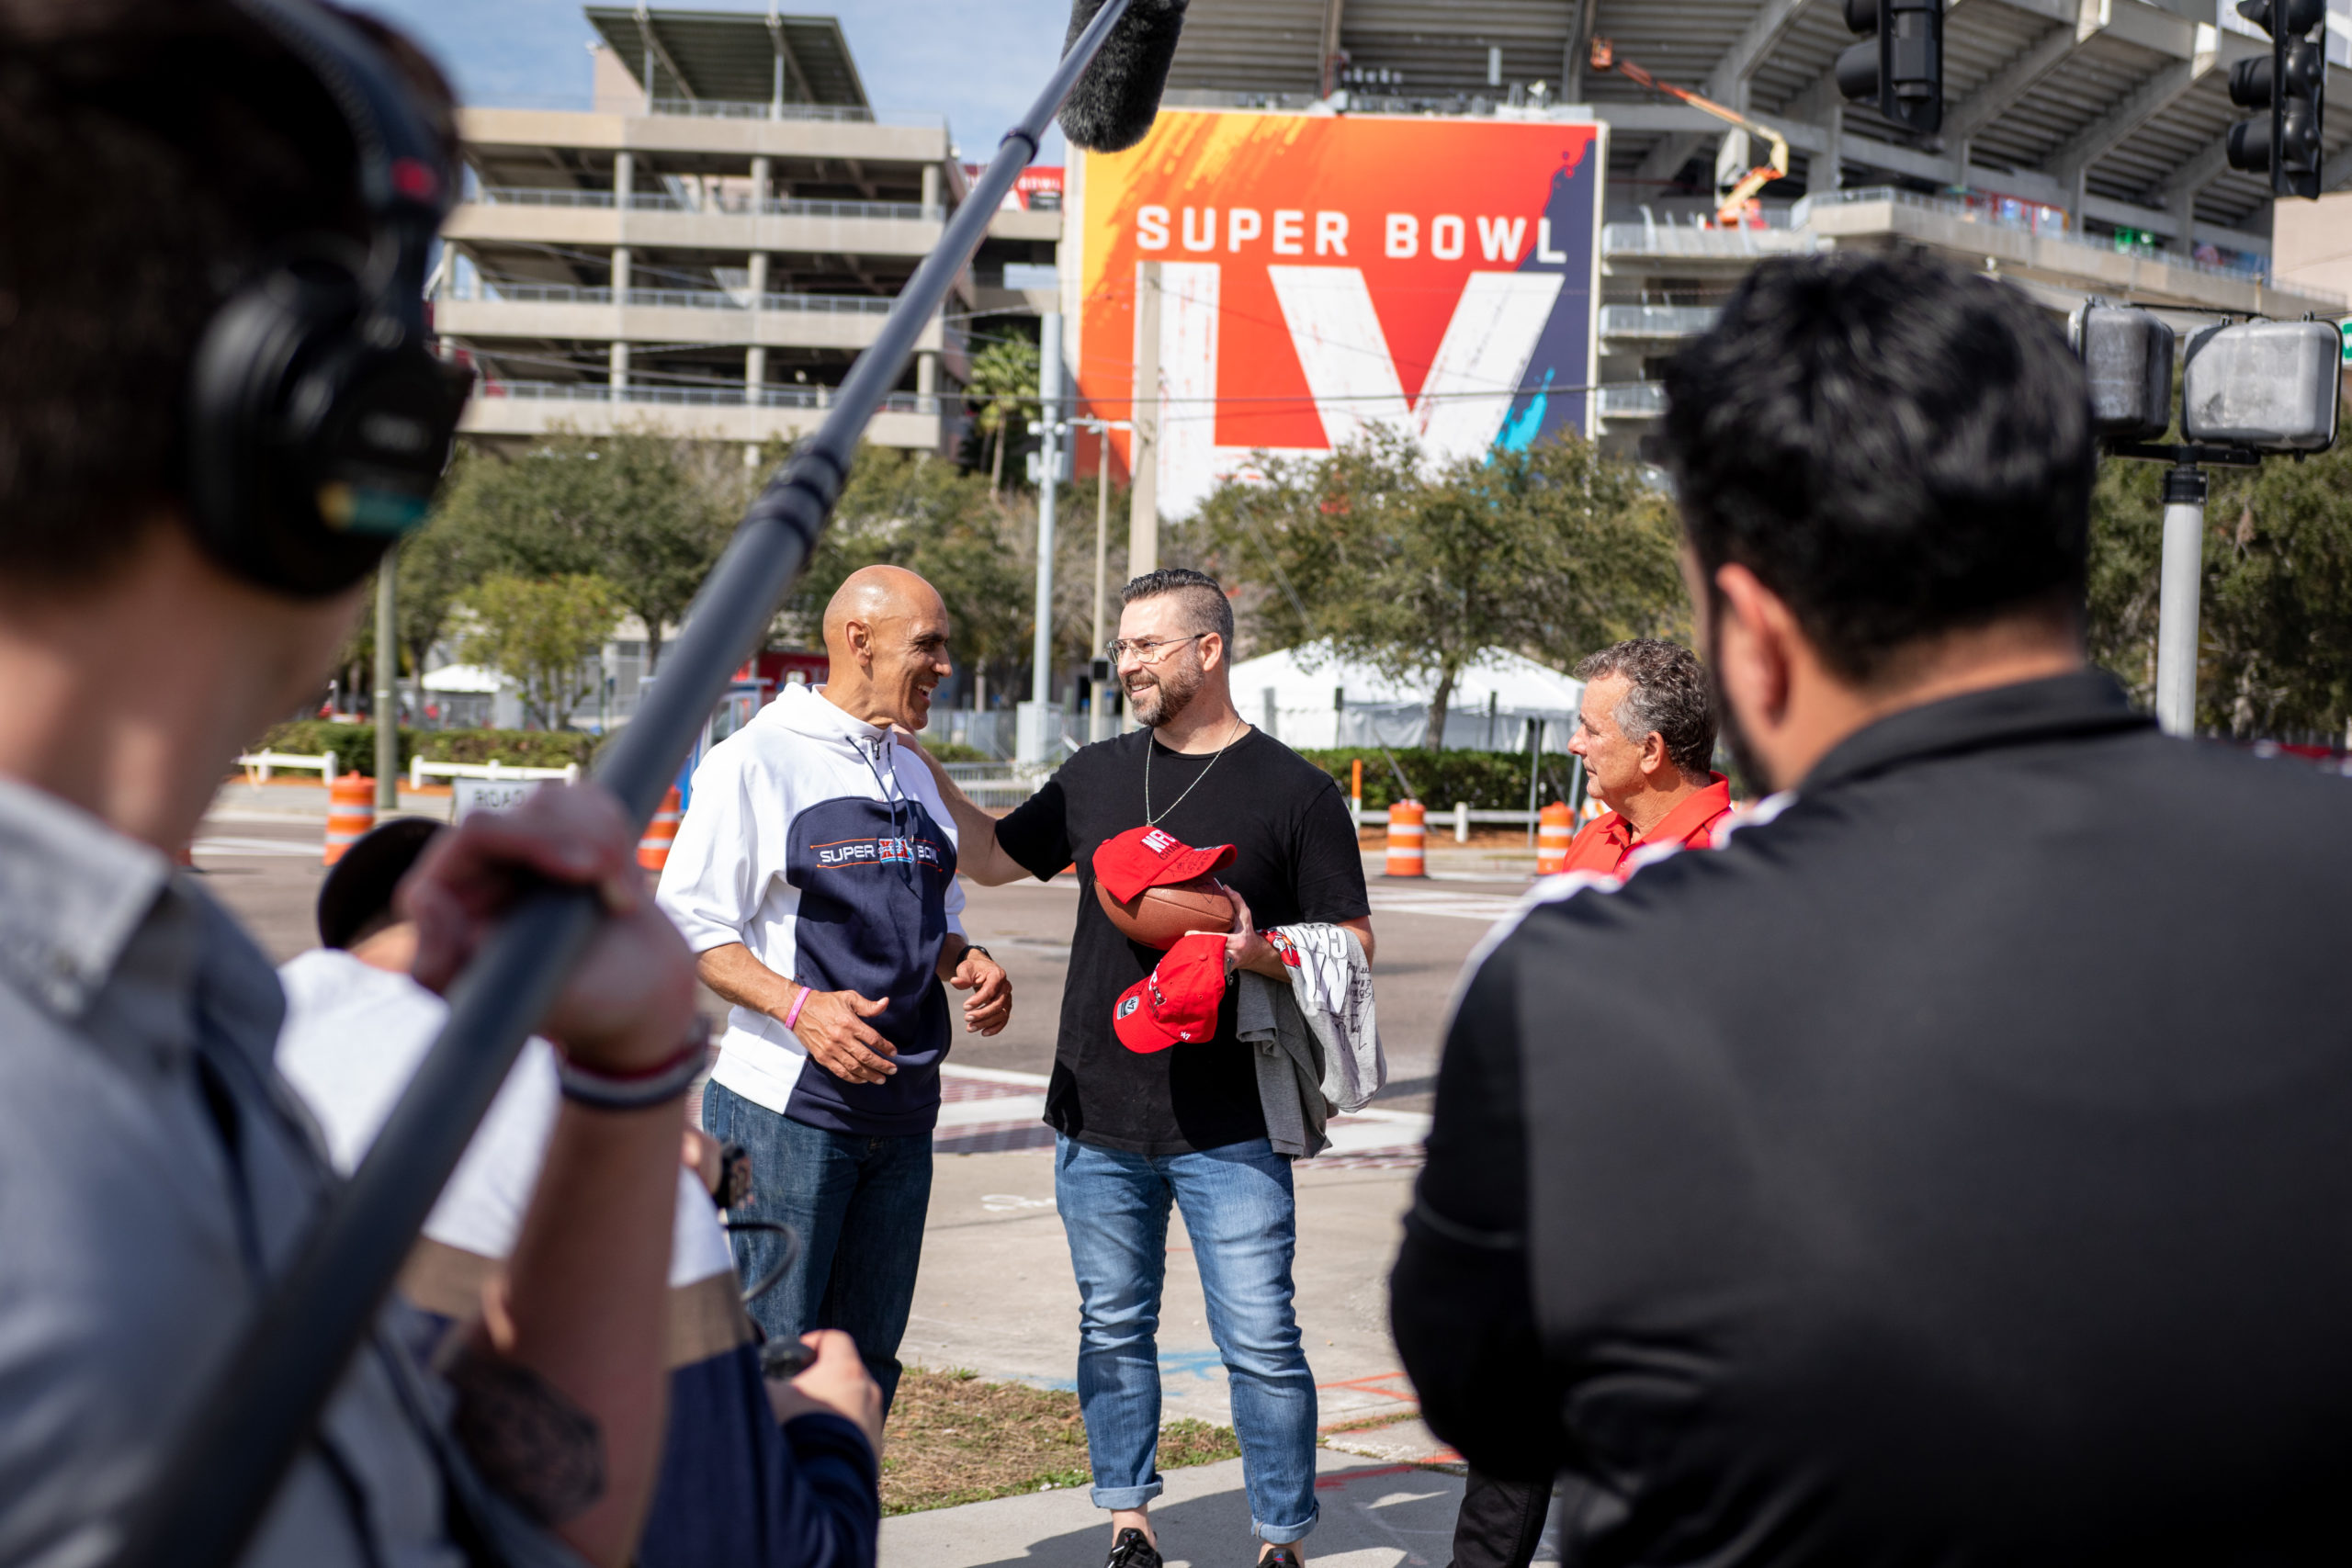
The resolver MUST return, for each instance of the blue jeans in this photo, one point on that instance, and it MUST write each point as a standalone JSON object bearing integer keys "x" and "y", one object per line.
{"x": 857, "y": 1205}
{"x": 1242, "y": 1219}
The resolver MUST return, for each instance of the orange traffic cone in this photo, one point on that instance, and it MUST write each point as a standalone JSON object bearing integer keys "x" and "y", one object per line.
{"x": 1407, "y": 839}
{"x": 1555, "y": 826}
{"x": 351, "y": 813}
{"x": 653, "y": 849}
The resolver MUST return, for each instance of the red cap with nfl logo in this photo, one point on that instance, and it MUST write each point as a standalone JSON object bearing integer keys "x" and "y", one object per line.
{"x": 1153, "y": 857}
{"x": 1177, "y": 1002}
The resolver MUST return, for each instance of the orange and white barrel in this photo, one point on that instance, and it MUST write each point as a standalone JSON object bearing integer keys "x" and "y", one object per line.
{"x": 1556, "y": 825}
{"x": 1407, "y": 839}
{"x": 351, "y": 812}
{"x": 653, "y": 849}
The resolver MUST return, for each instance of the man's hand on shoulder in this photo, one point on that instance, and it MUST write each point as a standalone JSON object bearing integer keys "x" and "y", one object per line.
{"x": 832, "y": 1026}
{"x": 989, "y": 1007}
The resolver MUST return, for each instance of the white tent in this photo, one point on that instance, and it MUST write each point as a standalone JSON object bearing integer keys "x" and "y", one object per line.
{"x": 1310, "y": 698}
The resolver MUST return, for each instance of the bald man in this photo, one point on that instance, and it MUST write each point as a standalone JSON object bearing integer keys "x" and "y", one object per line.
{"x": 814, "y": 876}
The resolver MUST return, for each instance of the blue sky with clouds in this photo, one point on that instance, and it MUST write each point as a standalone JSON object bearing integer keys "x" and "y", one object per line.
{"x": 978, "y": 63}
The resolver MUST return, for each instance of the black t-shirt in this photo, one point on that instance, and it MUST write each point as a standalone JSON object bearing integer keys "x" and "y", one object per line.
{"x": 1295, "y": 860}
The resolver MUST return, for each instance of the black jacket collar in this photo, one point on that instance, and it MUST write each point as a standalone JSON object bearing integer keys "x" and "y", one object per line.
{"x": 2086, "y": 703}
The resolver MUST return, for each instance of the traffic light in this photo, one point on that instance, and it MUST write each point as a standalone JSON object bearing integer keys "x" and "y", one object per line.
{"x": 1899, "y": 69}
{"x": 2292, "y": 84}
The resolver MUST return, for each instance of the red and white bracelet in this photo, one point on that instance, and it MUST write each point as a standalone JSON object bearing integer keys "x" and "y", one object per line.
{"x": 657, "y": 1085}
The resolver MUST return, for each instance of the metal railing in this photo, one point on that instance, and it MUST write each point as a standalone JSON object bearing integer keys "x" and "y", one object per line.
{"x": 731, "y": 108}
{"x": 2029, "y": 217}
{"x": 420, "y": 769}
{"x": 259, "y": 765}
{"x": 1656, "y": 321}
{"x": 1633, "y": 399}
{"x": 694, "y": 397}
{"x": 677, "y": 299}
{"x": 718, "y": 203}
{"x": 1694, "y": 243}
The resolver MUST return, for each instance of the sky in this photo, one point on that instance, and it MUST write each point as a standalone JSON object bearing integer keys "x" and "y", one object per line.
{"x": 978, "y": 63}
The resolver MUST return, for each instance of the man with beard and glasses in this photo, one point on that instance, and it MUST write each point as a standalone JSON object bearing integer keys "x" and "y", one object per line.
{"x": 1139, "y": 1131}
{"x": 1949, "y": 1166}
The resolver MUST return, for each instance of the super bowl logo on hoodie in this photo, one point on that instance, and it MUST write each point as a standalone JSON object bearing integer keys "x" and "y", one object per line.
{"x": 845, "y": 852}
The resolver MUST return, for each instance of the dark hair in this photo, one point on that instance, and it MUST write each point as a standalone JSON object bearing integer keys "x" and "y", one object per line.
{"x": 1211, "y": 610}
{"x": 358, "y": 894}
{"x": 1669, "y": 698}
{"x": 154, "y": 154}
{"x": 1895, "y": 448}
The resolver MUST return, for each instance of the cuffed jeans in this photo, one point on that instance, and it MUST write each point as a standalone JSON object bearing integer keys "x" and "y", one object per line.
{"x": 1241, "y": 1217}
{"x": 857, "y": 1204}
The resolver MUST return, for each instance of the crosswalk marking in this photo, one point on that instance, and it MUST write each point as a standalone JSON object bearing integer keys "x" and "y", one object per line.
{"x": 1459, "y": 906}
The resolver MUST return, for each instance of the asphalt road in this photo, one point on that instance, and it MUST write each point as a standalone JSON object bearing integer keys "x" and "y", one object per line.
{"x": 264, "y": 867}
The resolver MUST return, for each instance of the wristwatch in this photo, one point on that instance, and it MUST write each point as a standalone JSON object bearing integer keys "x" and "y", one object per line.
{"x": 972, "y": 947}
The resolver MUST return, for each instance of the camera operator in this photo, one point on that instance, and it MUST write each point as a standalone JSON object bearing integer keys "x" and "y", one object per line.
{"x": 1951, "y": 1165}
{"x": 154, "y": 155}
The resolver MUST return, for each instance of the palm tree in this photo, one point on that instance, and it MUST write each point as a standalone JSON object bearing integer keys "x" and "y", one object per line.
{"x": 1003, "y": 388}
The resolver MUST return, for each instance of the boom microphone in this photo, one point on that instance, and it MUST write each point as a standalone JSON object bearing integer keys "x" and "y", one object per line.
{"x": 1111, "y": 107}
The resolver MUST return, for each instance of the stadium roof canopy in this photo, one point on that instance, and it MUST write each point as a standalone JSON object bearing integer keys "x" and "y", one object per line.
{"x": 732, "y": 56}
{"x": 2110, "y": 109}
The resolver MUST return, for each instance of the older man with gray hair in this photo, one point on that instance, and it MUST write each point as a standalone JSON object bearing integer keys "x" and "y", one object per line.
{"x": 1646, "y": 731}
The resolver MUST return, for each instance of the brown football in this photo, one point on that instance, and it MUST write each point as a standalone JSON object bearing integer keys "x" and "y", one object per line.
{"x": 1157, "y": 917}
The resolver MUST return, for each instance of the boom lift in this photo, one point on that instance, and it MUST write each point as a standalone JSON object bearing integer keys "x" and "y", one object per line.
{"x": 1734, "y": 204}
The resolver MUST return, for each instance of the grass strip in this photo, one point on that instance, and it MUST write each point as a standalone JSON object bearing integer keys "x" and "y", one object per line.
{"x": 955, "y": 1437}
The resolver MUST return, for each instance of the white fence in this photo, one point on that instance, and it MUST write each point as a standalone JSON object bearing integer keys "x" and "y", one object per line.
{"x": 419, "y": 770}
{"x": 259, "y": 765}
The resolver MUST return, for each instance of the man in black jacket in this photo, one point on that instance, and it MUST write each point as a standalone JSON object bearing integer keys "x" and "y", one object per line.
{"x": 1954, "y": 1165}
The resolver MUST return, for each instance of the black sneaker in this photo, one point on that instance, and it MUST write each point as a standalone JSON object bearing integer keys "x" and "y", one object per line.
{"x": 1132, "y": 1549}
{"x": 1279, "y": 1557}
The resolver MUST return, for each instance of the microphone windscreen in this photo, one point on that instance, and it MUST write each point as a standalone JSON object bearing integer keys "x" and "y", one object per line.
{"x": 1113, "y": 105}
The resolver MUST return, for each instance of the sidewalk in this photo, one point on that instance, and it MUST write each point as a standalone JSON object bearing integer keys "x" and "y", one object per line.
{"x": 1374, "y": 1515}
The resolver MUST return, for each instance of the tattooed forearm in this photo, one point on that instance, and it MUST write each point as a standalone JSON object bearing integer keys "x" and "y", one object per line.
{"x": 541, "y": 1450}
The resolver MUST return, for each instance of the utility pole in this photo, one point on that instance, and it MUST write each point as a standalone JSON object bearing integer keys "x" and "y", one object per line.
{"x": 1098, "y": 726}
{"x": 2179, "y": 583}
{"x": 1034, "y": 744}
{"x": 388, "y": 696}
{"x": 1143, "y": 441}
{"x": 1143, "y": 500}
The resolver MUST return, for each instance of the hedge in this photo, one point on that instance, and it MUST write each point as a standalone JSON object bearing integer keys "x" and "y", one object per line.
{"x": 1484, "y": 781}
{"x": 354, "y": 745}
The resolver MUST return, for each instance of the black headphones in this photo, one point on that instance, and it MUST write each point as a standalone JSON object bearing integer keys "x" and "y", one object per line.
{"x": 319, "y": 420}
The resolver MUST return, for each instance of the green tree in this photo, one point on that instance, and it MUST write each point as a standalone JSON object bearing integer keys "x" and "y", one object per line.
{"x": 648, "y": 514}
{"x": 1550, "y": 552}
{"x": 1002, "y": 390}
{"x": 2275, "y": 614}
{"x": 915, "y": 511}
{"x": 541, "y": 632}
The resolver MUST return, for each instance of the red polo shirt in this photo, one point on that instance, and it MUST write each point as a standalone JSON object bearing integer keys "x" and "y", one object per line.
{"x": 1608, "y": 841}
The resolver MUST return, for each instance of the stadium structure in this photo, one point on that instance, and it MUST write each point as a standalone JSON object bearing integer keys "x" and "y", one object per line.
{"x": 2080, "y": 153}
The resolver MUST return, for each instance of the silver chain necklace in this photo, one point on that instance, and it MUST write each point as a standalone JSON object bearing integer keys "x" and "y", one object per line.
{"x": 1150, "y": 745}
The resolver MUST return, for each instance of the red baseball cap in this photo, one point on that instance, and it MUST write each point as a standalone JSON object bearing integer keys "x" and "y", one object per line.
{"x": 1178, "y": 1001}
{"x": 1153, "y": 857}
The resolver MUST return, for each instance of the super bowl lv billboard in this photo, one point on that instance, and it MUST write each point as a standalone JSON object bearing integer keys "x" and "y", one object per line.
{"x": 1323, "y": 275}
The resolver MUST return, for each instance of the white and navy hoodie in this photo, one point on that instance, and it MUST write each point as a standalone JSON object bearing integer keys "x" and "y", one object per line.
{"x": 815, "y": 842}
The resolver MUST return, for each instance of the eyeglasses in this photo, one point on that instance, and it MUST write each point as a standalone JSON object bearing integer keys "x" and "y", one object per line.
{"x": 1151, "y": 652}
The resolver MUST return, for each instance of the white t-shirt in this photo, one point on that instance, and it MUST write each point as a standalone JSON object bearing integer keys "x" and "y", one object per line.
{"x": 354, "y": 1037}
